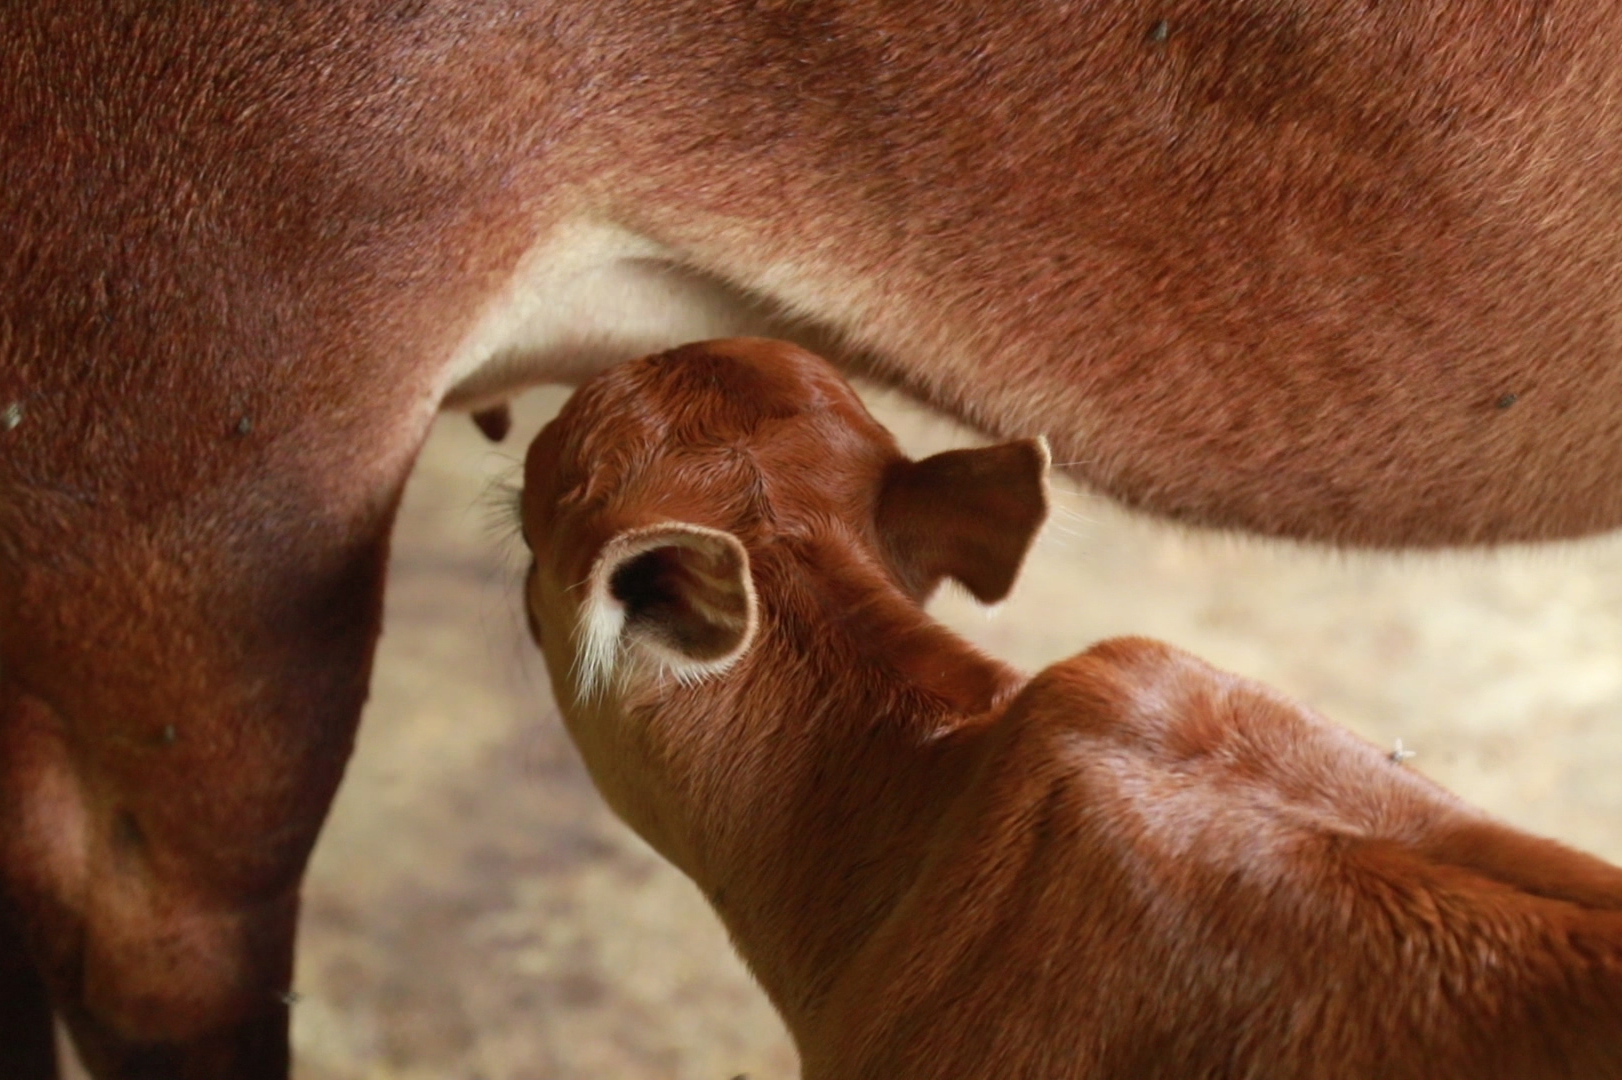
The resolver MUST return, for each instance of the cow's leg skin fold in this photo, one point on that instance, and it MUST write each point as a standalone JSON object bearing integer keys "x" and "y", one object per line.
{"x": 27, "y": 1037}
{"x": 255, "y": 1049}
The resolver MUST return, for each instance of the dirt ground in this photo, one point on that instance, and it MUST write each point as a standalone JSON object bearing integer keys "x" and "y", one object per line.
{"x": 474, "y": 911}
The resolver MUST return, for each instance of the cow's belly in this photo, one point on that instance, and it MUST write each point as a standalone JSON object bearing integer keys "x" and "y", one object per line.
{"x": 588, "y": 296}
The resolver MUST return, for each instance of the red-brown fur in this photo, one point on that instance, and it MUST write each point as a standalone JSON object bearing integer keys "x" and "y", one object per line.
{"x": 1317, "y": 268}
{"x": 1129, "y": 866}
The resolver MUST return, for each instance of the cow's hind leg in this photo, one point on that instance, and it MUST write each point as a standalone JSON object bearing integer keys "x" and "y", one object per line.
{"x": 27, "y": 1035}
{"x": 253, "y": 1049}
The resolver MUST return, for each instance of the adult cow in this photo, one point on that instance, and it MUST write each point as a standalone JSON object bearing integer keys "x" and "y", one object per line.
{"x": 1320, "y": 268}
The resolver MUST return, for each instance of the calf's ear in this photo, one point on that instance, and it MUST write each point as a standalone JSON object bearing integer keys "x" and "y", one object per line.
{"x": 682, "y": 592}
{"x": 969, "y": 515}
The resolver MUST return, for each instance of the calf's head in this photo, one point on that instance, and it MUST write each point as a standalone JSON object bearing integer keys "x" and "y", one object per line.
{"x": 698, "y": 521}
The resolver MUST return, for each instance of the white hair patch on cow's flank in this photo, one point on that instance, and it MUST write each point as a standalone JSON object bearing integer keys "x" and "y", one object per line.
{"x": 602, "y": 621}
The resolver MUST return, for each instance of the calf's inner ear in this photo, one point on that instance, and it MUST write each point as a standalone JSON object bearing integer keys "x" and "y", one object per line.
{"x": 683, "y": 590}
{"x": 969, "y": 515}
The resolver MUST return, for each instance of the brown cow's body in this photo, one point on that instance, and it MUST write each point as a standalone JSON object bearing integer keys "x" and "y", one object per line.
{"x": 1132, "y": 866}
{"x": 1318, "y": 268}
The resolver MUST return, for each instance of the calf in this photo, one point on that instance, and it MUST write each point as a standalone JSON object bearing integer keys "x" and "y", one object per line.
{"x": 1131, "y": 865}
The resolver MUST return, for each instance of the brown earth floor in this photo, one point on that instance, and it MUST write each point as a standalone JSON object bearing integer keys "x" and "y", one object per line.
{"x": 475, "y": 912}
